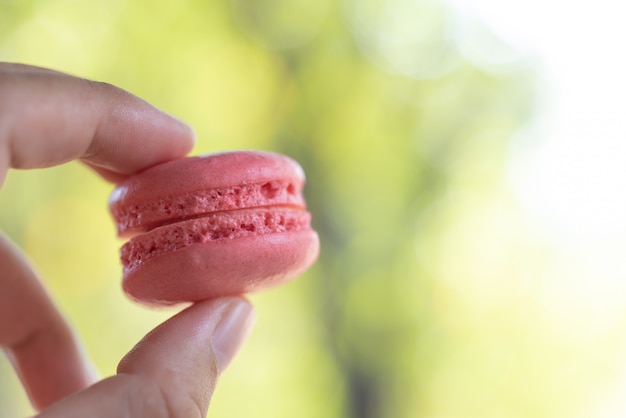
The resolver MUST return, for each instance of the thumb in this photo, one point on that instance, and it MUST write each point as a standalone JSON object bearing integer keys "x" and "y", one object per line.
{"x": 172, "y": 371}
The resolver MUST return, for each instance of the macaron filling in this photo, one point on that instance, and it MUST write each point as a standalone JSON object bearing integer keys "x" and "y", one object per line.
{"x": 212, "y": 227}
{"x": 146, "y": 215}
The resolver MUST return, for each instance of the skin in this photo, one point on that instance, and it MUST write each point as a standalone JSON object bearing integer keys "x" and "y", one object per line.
{"x": 49, "y": 118}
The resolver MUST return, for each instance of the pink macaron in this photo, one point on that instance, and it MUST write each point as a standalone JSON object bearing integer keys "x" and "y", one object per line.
{"x": 213, "y": 225}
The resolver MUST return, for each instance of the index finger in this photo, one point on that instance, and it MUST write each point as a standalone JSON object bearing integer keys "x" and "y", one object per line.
{"x": 49, "y": 118}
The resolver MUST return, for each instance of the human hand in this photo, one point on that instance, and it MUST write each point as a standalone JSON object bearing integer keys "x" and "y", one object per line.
{"x": 48, "y": 118}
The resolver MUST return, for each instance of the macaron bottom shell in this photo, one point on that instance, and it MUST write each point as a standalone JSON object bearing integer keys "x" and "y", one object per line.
{"x": 222, "y": 267}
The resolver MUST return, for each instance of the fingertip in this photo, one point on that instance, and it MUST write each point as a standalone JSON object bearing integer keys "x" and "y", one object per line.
{"x": 50, "y": 118}
{"x": 173, "y": 370}
{"x": 174, "y": 130}
{"x": 185, "y": 355}
{"x": 206, "y": 332}
{"x": 135, "y": 135}
{"x": 186, "y": 132}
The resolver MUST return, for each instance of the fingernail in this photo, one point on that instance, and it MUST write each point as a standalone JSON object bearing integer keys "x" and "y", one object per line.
{"x": 186, "y": 130}
{"x": 231, "y": 331}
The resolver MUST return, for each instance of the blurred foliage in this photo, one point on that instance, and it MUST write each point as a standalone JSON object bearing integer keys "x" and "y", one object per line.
{"x": 414, "y": 308}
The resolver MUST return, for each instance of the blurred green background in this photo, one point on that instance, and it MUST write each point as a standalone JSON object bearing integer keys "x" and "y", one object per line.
{"x": 422, "y": 303}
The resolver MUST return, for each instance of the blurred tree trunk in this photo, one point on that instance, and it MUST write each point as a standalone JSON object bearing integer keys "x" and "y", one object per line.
{"x": 376, "y": 130}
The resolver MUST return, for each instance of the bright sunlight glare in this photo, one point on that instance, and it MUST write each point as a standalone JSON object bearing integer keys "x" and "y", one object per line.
{"x": 568, "y": 167}
{"x": 572, "y": 177}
